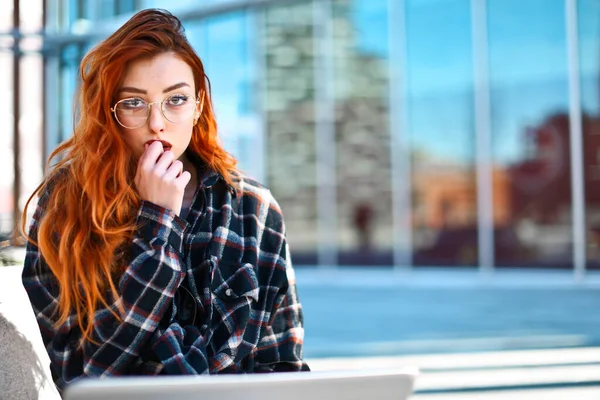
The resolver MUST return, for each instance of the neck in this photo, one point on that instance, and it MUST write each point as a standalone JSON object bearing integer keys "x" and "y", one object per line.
{"x": 191, "y": 187}
{"x": 191, "y": 168}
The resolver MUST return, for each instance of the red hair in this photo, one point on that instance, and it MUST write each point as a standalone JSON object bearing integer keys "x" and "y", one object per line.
{"x": 90, "y": 213}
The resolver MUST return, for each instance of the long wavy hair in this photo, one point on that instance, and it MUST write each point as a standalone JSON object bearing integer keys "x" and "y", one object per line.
{"x": 91, "y": 202}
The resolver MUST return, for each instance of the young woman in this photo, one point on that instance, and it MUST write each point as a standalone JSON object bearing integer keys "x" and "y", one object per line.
{"x": 149, "y": 253}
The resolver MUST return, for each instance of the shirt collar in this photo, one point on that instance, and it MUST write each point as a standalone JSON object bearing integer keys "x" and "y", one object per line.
{"x": 208, "y": 177}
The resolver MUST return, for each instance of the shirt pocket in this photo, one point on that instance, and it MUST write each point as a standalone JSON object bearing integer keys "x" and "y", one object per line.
{"x": 234, "y": 330}
{"x": 233, "y": 281}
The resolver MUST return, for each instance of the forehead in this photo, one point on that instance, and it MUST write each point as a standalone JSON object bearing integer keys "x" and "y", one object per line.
{"x": 158, "y": 72}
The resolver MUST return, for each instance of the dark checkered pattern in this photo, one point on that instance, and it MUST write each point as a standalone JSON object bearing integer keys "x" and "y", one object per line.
{"x": 214, "y": 293}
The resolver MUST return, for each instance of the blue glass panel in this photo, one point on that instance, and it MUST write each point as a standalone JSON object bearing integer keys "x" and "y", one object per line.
{"x": 289, "y": 110}
{"x": 440, "y": 114}
{"x": 230, "y": 68}
{"x": 530, "y": 130}
{"x": 69, "y": 65}
{"x": 364, "y": 226}
{"x": 589, "y": 69}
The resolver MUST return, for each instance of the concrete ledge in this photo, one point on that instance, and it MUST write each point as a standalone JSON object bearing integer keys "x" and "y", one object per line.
{"x": 469, "y": 361}
{"x": 457, "y": 375}
{"x": 581, "y": 393}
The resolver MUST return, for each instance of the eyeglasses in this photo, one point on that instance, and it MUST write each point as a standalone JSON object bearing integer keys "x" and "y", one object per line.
{"x": 133, "y": 112}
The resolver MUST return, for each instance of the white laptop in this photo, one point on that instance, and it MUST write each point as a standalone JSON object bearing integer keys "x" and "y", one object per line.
{"x": 396, "y": 384}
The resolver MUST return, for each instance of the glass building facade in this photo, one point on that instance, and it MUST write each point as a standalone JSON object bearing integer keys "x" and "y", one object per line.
{"x": 392, "y": 132}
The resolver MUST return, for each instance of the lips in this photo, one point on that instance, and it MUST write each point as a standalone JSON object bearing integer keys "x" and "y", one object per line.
{"x": 166, "y": 145}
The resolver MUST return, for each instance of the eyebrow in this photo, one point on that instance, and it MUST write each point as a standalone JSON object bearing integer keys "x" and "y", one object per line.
{"x": 132, "y": 89}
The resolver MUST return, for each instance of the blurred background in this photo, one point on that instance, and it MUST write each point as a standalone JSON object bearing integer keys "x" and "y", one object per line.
{"x": 437, "y": 161}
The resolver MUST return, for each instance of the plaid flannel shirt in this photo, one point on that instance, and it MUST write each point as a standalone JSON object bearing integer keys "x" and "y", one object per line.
{"x": 214, "y": 293}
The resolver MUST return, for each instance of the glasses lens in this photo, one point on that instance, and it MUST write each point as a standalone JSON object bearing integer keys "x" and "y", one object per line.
{"x": 178, "y": 108}
{"x": 132, "y": 113}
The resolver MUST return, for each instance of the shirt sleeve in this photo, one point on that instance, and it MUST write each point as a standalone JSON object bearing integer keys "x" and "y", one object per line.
{"x": 281, "y": 341}
{"x": 146, "y": 289}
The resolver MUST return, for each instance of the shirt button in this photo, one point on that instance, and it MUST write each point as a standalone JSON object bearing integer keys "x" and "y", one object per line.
{"x": 229, "y": 292}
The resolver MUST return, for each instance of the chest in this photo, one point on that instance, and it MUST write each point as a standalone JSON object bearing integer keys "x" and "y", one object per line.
{"x": 219, "y": 264}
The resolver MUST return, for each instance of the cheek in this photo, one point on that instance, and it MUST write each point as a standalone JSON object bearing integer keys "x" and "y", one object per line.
{"x": 185, "y": 135}
{"x": 134, "y": 141}
{"x": 180, "y": 136}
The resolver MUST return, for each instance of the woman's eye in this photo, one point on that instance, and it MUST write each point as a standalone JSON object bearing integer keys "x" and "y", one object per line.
{"x": 177, "y": 100}
{"x": 133, "y": 103}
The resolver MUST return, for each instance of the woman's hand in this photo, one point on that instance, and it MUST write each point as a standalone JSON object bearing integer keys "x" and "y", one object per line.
{"x": 160, "y": 179}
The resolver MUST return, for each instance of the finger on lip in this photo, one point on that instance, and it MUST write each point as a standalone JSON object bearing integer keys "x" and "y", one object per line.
{"x": 149, "y": 145}
{"x": 164, "y": 146}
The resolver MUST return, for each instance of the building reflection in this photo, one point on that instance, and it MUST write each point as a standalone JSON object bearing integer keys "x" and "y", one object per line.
{"x": 532, "y": 203}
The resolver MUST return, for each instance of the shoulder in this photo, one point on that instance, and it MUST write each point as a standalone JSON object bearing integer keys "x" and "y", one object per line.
{"x": 52, "y": 185}
{"x": 55, "y": 178}
{"x": 256, "y": 198}
{"x": 251, "y": 191}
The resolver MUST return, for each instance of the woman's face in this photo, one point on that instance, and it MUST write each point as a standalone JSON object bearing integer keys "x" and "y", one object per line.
{"x": 164, "y": 77}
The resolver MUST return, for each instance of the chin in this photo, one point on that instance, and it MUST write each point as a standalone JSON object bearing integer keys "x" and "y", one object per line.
{"x": 178, "y": 154}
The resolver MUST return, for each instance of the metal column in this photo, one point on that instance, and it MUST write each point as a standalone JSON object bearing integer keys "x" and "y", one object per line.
{"x": 325, "y": 134}
{"x": 16, "y": 115}
{"x": 483, "y": 137}
{"x": 576, "y": 142}
{"x": 399, "y": 135}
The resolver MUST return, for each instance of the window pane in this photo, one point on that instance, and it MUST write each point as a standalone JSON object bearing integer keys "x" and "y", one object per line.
{"x": 6, "y": 16}
{"x": 180, "y": 4}
{"x": 106, "y": 8}
{"x": 290, "y": 123}
{"x": 362, "y": 135}
{"x": 6, "y": 144}
{"x": 70, "y": 59}
{"x": 125, "y": 6}
{"x": 589, "y": 59}
{"x": 232, "y": 74}
{"x": 530, "y": 131}
{"x": 31, "y": 15}
{"x": 71, "y": 12}
{"x": 30, "y": 126}
{"x": 440, "y": 117}
{"x": 6, "y": 115}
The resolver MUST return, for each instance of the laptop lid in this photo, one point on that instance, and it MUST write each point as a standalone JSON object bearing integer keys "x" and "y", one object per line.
{"x": 321, "y": 385}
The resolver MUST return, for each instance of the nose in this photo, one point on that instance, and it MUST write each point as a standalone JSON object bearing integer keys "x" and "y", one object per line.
{"x": 156, "y": 122}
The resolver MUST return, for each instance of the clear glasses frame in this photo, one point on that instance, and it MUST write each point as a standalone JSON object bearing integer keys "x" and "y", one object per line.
{"x": 162, "y": 111}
